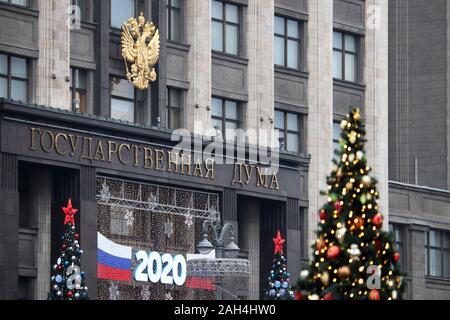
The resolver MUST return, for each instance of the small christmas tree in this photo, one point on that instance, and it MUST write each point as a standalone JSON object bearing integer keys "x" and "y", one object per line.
{"x": 279, "y": 287}
{"x": 68, "y": 279}
{"x": 353, "y": 257}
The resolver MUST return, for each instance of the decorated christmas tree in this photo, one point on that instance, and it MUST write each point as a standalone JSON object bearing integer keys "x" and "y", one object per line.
{"x": 353, "y": 258}
{"x": 68, "y": 279}
{"x": 279, "y": 287}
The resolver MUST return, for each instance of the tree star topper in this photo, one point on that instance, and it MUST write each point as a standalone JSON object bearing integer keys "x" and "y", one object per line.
{"x": 69, "y": 211}
{"x": 279, "y": 242}
{"x": 140, "y": 48}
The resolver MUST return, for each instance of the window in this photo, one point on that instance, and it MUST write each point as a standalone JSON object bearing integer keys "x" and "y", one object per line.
{"x": 173, "y": 108}
{"x": 438, "y": 253}
{"x": 122, "y": 100}
{"x": 336, "y": 138}
{"x": 13, "y": 78}
{"x": 226, "y": 117}
{"x": 82, "y": 5}
{"x": 288, "y": 126}
{"x": 173, "y": 9}
{"x": 344, "y": 56}
{"x": 225, "y": 27}
{"x": 287, "y": 43}
{"x": 121, "y": 11}
{"x": 399, "y": 239}
{"x": 303, "y": 227}
{"x": 23, "y": 3}
{"x": 78, "y": 89}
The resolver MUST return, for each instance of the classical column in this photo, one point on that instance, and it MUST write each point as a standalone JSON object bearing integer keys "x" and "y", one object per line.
{"x": 9, "y": 226}
{"x": 376, "y": 106}
{"x": 40, "y": 204}
{"x": 417, "y": 262}
{"x": 53, "y": 65}
{"x": 259, "y": 40}
{"x": 198, "y": 23}
{"x": 88, "y": 227}
{"x": 320, "y": 102}
{"x": 249, "y": 241}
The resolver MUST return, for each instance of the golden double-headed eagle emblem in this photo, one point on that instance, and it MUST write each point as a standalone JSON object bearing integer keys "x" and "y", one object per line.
{"x": 140, "y": 49}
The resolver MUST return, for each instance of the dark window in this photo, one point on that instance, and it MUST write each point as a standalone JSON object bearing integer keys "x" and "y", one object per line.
{"x": 23, "y": 3}
{"x": 122, "y": 100}
{"x": 78, "y": 89}
{"x": 173, "y": 9}
{"x": 303, "y": 227}
{"x": 438, "y": 253}
{"x": 226, "y": 117}
{"x": 13, "y": 78}
{"x": 225, "y": 27}
{"x": 287, "y": 43}
{"x": 173, "y": 108}
{"x": 399, "y": 238}
{"x": 288, "y": 126}
{"x": 25, "y": 218}
{"x": 25, "y": 288}
{"x": 344, "y": 56}
{"x": 336, "y": 138}
{"x": 121, "y": 11}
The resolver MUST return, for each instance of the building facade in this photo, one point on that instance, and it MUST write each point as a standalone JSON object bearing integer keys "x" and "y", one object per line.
{"x": 73, "y": 126}
{"x": 419, "y": 198}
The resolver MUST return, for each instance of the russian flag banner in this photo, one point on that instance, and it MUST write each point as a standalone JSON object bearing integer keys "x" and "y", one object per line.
{"x": 113, "y": 260}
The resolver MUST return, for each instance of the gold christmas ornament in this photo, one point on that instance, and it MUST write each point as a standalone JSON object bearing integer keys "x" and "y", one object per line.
{"x": 366, "y": 180}
{"x": 357, "y": 115}
{"x": 352, "y": 137}
{"x": 344, "y": 272}
{"x": 344, "y": 124}
{"x": 340, "y": 234}
{"x": 325, "y": 278}
{"x": 140, "y": 49}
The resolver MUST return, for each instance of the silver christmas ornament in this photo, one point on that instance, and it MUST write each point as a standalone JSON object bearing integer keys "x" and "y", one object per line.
{"x": 354, "y": 252}
{"x": 304, "y": 274}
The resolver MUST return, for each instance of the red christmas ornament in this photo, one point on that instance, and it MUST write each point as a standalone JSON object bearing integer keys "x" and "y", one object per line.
{"x": 338, "y": 206}
{"x": 378, "y": 244}
{"x": 70, "y": 294}
{"x": 77, "y": 236}
{"x": 320, "y": 244}
{"x": 279, "y": 241}
{"x": 378, "y": 220}
{"x": 359, "y": 223}
{"x": 333, "y": 252}
{"x": 328, "y": 296}
{"x": 374, "y": 295}
{"x": 323, "y": 215}
{"x": 396, "y": 257}
{"x": 69, "y": 211}
{"x": 298, "y": 296}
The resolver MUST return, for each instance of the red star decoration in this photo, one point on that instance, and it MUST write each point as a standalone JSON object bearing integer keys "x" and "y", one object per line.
{"x": 279, "y": 241}
{"x": 69, "y": 211}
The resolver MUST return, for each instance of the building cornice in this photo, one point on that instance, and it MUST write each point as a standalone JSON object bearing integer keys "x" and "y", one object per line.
{"x": 117, "y": 128}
